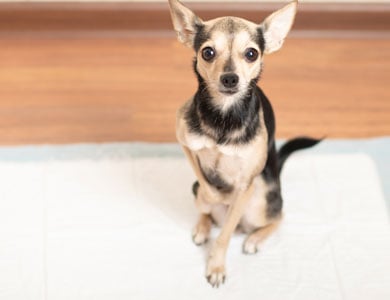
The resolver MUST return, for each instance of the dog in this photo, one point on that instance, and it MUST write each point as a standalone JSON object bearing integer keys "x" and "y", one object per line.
{"x": 227, "y": 129}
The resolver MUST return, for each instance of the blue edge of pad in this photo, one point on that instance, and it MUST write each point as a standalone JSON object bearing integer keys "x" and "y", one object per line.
{"x": 377, "y": 148}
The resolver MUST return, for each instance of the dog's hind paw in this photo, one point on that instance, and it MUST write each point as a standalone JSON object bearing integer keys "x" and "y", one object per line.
{"x": 249, "y": 248}
{"x": 250, "y": 245}
{"x": 199, "y": 237}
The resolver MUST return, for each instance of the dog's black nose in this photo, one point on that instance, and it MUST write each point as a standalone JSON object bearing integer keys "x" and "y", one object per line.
{"x": 229, "y": 80}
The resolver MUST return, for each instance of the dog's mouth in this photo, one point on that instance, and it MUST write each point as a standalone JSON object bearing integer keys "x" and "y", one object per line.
{"x": 228, "y": 91}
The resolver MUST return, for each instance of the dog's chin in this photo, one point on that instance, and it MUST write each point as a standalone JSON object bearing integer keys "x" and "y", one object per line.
{"x": 225, "y": 98}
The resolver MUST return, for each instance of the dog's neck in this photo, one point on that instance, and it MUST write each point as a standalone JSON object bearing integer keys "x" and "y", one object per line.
{"x": 236, "y": 124}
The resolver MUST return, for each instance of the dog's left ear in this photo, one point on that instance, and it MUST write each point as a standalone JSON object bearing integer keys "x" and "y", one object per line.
{"x": 277, "y": 26}
{"x": 185, "y": 22}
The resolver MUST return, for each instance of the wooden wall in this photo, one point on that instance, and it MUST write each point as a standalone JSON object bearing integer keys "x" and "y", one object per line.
{"x": 99, "y": 72}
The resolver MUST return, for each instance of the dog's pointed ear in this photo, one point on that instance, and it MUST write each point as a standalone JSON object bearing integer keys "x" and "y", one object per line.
{"x": 276, "y": 27}
{"x": 185, "y": 22}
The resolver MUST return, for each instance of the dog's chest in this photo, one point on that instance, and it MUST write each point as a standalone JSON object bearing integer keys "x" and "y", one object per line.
{"x": 232, "y": 164}
{"x": 227, "y": 167}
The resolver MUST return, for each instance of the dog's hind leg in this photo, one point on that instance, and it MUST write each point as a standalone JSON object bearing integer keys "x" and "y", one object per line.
{"x": 254, "y": 239}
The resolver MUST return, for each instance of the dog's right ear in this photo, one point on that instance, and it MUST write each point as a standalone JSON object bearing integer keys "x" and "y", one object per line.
{"x": 185, "y": 22}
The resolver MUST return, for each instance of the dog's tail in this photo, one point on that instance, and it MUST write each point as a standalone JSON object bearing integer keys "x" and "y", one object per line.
{"x": 294, "y": 145}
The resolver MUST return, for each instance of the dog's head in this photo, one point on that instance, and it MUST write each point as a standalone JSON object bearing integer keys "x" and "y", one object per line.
{"x": 229, "y": 50}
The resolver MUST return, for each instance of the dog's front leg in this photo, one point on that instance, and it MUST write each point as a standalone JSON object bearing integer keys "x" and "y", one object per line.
{"x": 215, "y": 271}
{"x": 209, "y": 193}
{"x": 201, "y": 231}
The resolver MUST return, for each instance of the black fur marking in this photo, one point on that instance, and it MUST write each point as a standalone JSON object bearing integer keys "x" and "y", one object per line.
{"x": 215, "y": 180}
{"x": 269, "y": 117}
{"x": 195, "y": 188}
{"x": 201, "y": 36}
{"x": 274, "y": 203}
{"x": 193, "y": 120}
{"x": 260, "y": 39}
{"x": 243, "y": 115}
{"x": 271, "y": 173}
{"x": 201, "y": 83}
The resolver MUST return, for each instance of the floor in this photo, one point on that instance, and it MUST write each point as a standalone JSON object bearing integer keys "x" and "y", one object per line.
{"x": 60, "y": 89}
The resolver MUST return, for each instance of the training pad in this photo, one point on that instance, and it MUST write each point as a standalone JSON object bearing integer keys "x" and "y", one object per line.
{"x": 119, "y": 227}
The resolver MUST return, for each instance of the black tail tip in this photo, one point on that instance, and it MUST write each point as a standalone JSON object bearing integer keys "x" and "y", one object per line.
{"x": 295, "y": 144}
{"x": 303, "y": 142}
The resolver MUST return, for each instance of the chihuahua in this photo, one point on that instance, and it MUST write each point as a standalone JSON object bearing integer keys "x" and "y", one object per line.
{"x": 227, "y": 129}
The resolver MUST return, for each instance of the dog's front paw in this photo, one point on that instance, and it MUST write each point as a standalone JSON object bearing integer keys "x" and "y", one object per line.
{"x": 216, "y": 275}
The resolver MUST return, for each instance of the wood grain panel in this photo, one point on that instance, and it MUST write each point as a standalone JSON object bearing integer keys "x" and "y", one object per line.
{"x": 78, "y": 90}
{"x": 102, "y": 86}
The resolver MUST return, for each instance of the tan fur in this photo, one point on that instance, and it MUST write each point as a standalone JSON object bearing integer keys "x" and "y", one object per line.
{"x": 253, "y": 241}
{"x": 201, "y": 231}
{"x": 228, "y": 47}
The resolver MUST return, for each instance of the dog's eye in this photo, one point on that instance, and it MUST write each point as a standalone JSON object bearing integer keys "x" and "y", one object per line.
{"x": 251, "y": 54}
{"x": 208, "y": 53}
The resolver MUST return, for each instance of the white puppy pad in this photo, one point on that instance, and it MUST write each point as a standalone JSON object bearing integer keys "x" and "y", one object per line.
{"x": 120, "y": 228}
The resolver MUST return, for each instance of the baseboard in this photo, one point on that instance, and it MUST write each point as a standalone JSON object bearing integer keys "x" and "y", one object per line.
{"x": 99, "y": 18}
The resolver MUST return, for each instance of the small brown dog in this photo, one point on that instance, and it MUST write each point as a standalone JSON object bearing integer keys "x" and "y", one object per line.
{"x": 227, "y": 129}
